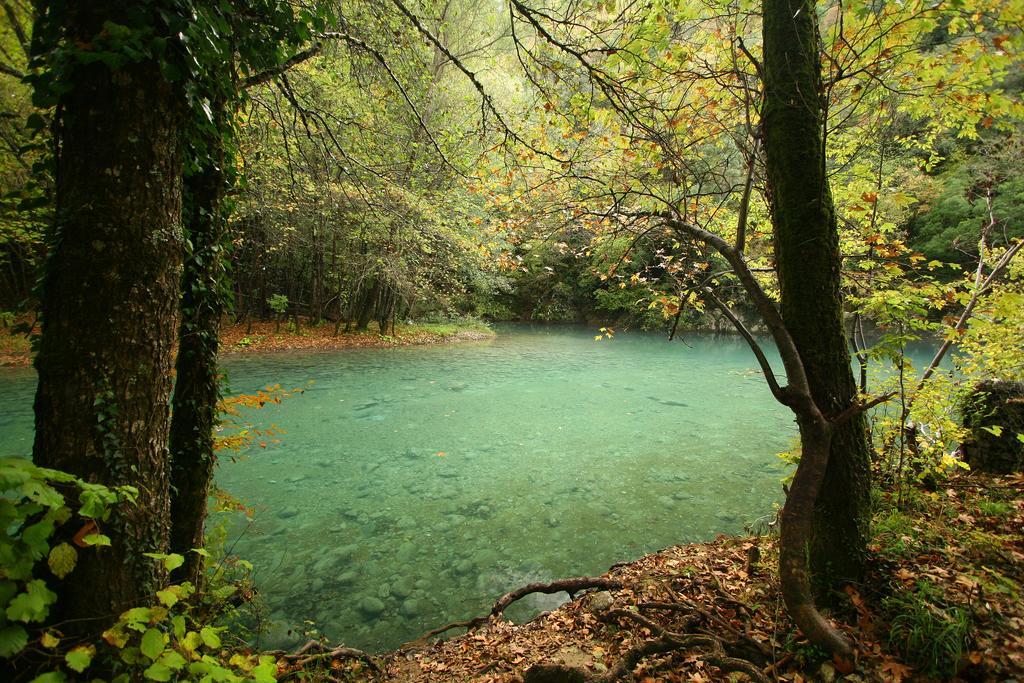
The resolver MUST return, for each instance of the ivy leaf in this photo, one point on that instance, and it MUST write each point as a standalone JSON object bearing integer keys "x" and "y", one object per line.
{"x": 80, "y": 657}
{"x": 62, "y": 560}
{"x": 12, "y": 640}
{"x": 152, "y": 643}
{"x": 49, "y": 640}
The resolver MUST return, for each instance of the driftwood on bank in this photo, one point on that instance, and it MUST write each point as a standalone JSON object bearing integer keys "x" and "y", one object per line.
{"x": 570, "y": 586}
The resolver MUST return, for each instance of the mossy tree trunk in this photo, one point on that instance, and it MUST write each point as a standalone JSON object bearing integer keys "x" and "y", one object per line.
{"x": 197, "y": 387}
{"x": 109, "y": 307}
{"x": 808, "y": 262}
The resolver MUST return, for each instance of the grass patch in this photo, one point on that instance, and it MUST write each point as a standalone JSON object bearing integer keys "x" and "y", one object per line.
{"x": 994, "y": 508}
{"x": 930, "y": 634}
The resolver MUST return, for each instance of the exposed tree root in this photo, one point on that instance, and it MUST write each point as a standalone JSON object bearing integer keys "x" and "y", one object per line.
{"x": 714, "y": 650}
{"x": 315, "y": 649}
{"x": 570, "y": 586}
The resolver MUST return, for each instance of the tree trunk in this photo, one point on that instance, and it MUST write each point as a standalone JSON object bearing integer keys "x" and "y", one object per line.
{"x": 808, "y": 262}
{"x": 197, "y": 388}
{"x": 367, "y": 306}
{"x": 109, "y": 305}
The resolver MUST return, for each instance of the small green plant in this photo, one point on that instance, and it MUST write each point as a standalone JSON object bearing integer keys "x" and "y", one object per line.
{"x": 279, "y": 305}
{"x": 930, "y": 634}
{"x": 38, "y": 524}
{"x": 894, "y": 533}
{"x": 994, "y": 508}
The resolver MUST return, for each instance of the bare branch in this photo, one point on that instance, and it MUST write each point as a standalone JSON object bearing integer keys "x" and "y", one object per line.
{"x": 961, "y": 324}
{"x": 487, "y": 101}
{"x": 769, "y": 375}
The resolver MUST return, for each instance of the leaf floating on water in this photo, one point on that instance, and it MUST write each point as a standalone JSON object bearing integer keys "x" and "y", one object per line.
{"x": 441, "y": 454}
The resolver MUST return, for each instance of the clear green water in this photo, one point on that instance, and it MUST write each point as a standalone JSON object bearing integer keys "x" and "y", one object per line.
{"x": 562, "y": 455}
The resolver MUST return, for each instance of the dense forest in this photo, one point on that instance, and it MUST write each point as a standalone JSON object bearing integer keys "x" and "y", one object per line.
{"x": 831, "y": 182}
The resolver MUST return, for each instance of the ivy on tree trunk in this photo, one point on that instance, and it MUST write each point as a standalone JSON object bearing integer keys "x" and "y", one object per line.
{"x": 808, "y": 262}
{"x": 197, "y": 387}
{"x": 109, "y": 305}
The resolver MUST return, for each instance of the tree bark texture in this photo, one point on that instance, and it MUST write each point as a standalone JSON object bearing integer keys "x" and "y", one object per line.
{"x": 197, "y": 387}
{"x": 109, "y": 306}
{"x": 808, "y": 262}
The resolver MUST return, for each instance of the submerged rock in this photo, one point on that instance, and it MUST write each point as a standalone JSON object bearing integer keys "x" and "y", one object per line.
{"x": 410, "y": 608}
{"x": 371, "y": 606}
{"x": 402, "y": 588}
{"x": 406, "y": 551}
{"x": 463, "y": 568}
{"x": 288, "y": 512}
{"x": 345, "y": 553}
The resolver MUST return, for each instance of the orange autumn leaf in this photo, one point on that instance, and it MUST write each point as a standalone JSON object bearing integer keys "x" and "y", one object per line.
{"x": 897, "y": 672}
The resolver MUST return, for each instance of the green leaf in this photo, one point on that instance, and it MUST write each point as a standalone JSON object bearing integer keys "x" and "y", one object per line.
{"x": 191, "y": 641}
{"x": 43, "y": 493}
{"x": 12, "y": 640}
{"x": 62, "y": 559}
{"x": 96, "y": 540}
{"x": 225, "y": 591}
{"x": 173, "y": 561}
{"x": 158, "y": 672}
{"x": 95, "y": 503}
{"x": 37, "y": 537}
{"x": 168, "y": 597}
{"x": 33, "y": 604}
{"x": 152, "y": 643}
{"x": 178, "y": 624}
{"x": 210, "y": 637}
{"x": 80, "y": 657}
{"x": 8, "y": 589}
{"x": 137, "y": 616}
{"x": 172, "y": 660}
{"x": 49, "y": 677}
{"x": 266, "y": 670}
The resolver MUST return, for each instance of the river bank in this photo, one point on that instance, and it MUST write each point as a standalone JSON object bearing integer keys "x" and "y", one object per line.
{"x": 15, "y": 349}
{"x": 942, "y": 602}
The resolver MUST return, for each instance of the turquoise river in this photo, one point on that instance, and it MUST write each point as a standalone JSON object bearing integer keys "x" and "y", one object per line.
{"x": 416, "y": 485}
